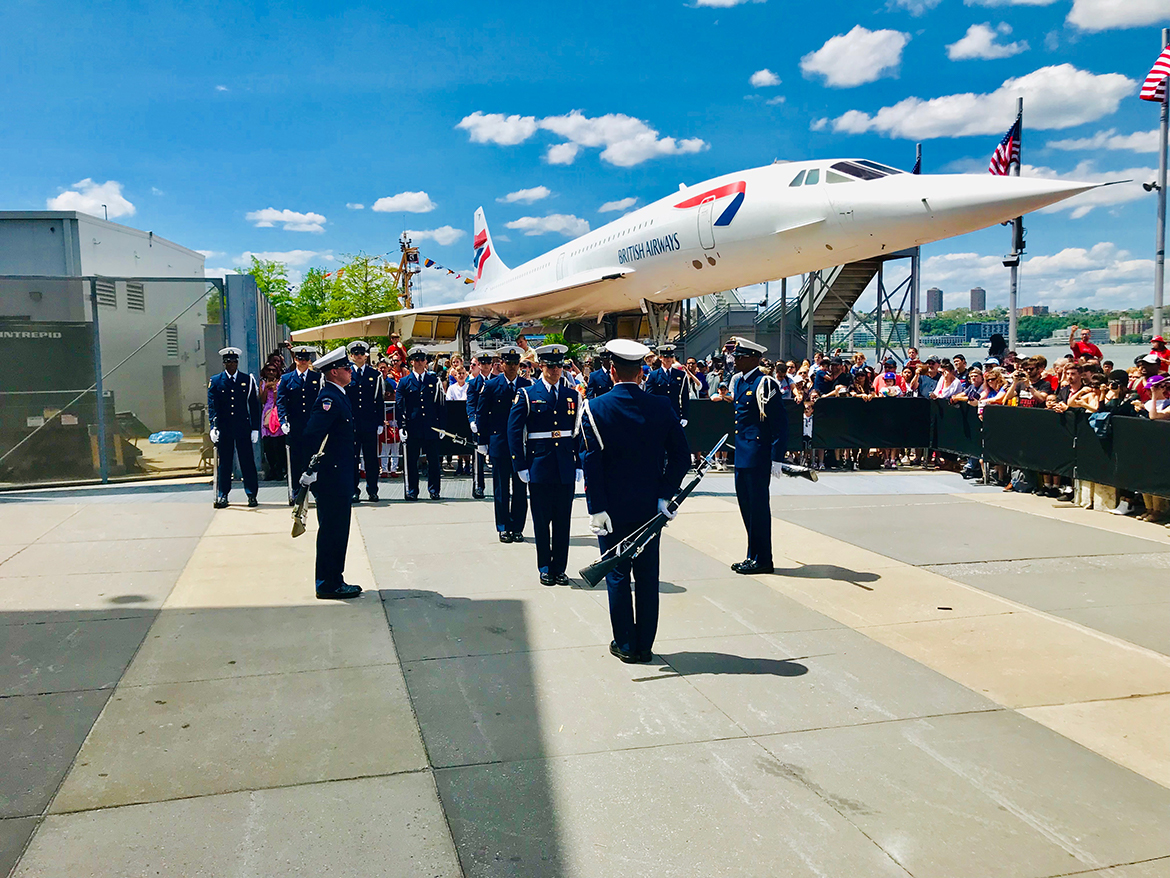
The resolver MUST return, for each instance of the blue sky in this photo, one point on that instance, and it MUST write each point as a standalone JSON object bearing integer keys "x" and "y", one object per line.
{"x": 240, "y": 128}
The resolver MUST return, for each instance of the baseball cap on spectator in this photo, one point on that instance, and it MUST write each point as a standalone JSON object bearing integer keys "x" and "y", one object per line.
{"x": 836, "y": 361}
{"x": 1151, "y": 359}
{"x": 991, "y": 361}
{"x": 930, "y": 360}
{"x": 889, "y": 362}
{"x": 1156, "y": 381}
{"x": 1119, "y": 376}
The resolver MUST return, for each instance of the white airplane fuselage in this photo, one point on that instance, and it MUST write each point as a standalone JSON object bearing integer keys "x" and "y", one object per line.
{"x": 777, "y": 230}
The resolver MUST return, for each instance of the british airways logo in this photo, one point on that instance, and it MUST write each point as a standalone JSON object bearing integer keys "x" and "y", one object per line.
{"x": 738, "y": 189}
{"x": 482, "y": 252}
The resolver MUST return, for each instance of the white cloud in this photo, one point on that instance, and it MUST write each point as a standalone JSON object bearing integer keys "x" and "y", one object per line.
{"x": 764, "y": 79}
{"x": 220, "y": 271}
{"x": 1009, "y": 2}
{"x": 405, "y": 202}
{"x": 857, "y": 57}
{"x": 914, "y": 7}
{"x": 624, "y": 140}
{"x": 526, "y": 196}
{"x": 1139, "y": 141}
{"x": 221, "y": 88}
{"x": 1107, "y": 196}
{"x": 1097, "y": 15}
{"x": 723, "y": 4}
{"x": 154, "y": 190}
{"x": 779, "y": 99}
{"x": 1101, "y": 276}
{"x": 498, "y": 128}
{"x": 294, "y": 258}
{"x": 617, "y": 206}
{"x": 562, "y": 153}
{"x": 88, "y": 197}
{"x": 443, "y": 235}
{"x": 210, "y": 254}
{"x": 561, "y": 223}
{"x": 818, "y": 124}
{"x": 352, "y": 205}
{"x": 1056, "y": 97}
{"x": 980, "y": 42}
{"x": 290, "y": 220}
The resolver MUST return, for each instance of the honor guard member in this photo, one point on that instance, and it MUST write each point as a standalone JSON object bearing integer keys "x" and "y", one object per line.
{"x": 544, "y": 454}
{"x": 495, "y": 402}
{"x": 421, "y": 405}
{"x": 331, "y": 430}
{"x": 233, "y": 410}
{"x": 599, "y": 380}
{"x": 761, "y": 439}
{"x": 474, "y": 389}
{"x": 672, "y": 383}
{"x": 634, "y": 455}
{"x": 366, "y": 398}
{"x": 295, "y": 395}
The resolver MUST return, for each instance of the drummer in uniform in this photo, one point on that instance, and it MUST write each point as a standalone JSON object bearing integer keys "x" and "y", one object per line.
{"x": 544, "y": 455}
{"x": 495, "y": 401}
{"x": 671, "y": 382}
{"x": 295, "y": 395}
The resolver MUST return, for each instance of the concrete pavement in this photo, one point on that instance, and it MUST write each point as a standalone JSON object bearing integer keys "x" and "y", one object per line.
{"x": 973, "y": 692}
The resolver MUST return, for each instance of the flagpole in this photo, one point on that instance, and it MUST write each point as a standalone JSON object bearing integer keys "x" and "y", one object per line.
{"x": 915, "y": 268}
{"x": 1160, "y": 247}
{"x": 1017, "y": 241}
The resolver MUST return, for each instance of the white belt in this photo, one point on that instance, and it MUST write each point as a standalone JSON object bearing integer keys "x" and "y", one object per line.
{"x": 554, "y": 434}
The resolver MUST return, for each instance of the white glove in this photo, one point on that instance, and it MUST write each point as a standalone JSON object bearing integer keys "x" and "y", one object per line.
{"x": 255, "y": 436}
{"x": 286, "y": 428}
{"x": 474, "y": 429}
{"x": 482, "y": 449}
{"x": 523, "y": 474}
{"x": 580, "y": 474}
{"x": 777, "y": 469}
{"x": 308, "y": 479}
{"x": 683, "y": 422}
{"x": 664, "y": 508}
{"x": 402, "y": 435}
{"x": 600, "y": 524}
{"x": 381, "y": 427}
{"x": 214, "y": 436}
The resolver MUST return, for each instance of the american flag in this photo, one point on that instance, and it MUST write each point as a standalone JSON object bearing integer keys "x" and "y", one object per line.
{"x": 1007, "y": 152}
{"x": 1154, "y": 88}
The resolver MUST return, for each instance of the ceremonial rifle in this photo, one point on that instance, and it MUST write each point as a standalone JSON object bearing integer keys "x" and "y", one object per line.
{"x": 301, "y": 506}
{"x": 796, "y": 471}
{"x": 633, "y": 545}
{"x": 461, "y": 441}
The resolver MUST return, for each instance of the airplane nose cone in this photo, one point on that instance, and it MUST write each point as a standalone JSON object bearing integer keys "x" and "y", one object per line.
{"x": 962, "y": 203}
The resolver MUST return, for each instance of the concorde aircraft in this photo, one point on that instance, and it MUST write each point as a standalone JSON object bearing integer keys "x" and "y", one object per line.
{"x": 743, "y": 228}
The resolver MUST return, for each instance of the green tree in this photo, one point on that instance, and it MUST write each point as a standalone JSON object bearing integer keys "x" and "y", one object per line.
{"x": 272, "y": 280}
{"x": 362, "y": 286}
{"x": 312, "y": 300}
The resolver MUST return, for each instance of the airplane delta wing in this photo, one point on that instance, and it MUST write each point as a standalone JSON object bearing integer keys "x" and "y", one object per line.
{"x": 570, "y": 298}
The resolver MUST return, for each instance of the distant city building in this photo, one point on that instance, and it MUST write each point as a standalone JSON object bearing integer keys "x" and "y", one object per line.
{"x": 943, "y": 341}
{"x": 934, "y": 300}
{"x": 978, "y": 299}
{"x": 1127, "y": 326}
{"x": 1034, "y": 311}
{"x": 898, "y": 334}
{"x": 973, "y": 330}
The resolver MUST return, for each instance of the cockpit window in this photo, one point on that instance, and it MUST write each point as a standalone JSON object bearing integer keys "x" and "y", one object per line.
{"x": 814, "y": 177}
{"x": 879, "y": 167}
{"x": 858, "y": 171}
{"x": 833, "y": 177}
{"x": 798, "y": 179}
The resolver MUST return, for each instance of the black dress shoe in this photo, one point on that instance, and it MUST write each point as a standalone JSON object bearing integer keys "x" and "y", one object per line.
{"x": 292, "y": 501}
{"x": 477, "y": 494}
{"x": 644, "y": 658}
{"x": 434, "y": 495}
{"x": 562, "y": 579}
{"x": 252, "y": 501}
{"x": 547, "y": 579}
{"x": 341, "y": 592}
{"x": 739, "y": 564}
{"x": 517, "y": 538}
{"x": 410, "y": 497}
{"x": 628, "y": 657}
{"x": 505, "y": 537}
{"x": 749, "y": 568}
{"x": 220, "y": 502}
{"x": 373, "y": 497}
{"x": 357, "y": 497}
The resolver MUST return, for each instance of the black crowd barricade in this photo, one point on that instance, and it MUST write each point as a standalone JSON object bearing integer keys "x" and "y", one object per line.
{"x": 844, "y": 422}
{"x": 708, "y": 420}
{"x": 1030, "y": 438}
{"x": 956, "y": 428}
{"x": 1135, "y": 456}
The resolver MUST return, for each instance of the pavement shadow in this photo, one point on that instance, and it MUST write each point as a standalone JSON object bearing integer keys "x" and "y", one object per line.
{"x": 689, "y": 664}
{"x": 829, "y": 571}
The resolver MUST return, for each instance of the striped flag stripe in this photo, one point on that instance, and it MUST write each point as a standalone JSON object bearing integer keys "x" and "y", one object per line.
{"x": 1154, "y": 88}
{"x": 1007, "y": 152}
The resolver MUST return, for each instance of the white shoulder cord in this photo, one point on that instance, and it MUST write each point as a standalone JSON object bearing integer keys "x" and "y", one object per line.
{"x": 763, "y": 396}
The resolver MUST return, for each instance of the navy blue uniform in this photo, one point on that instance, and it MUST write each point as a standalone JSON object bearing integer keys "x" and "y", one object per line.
{"x": 331, "y": 421}
{"x": 491, "y": 416}
{"x": 233, "y": 408}
{"x": 675, "y": 386}
{"x": 761, "y": 438}
{"x": 540, "y": 440}
{"x": 295, "y": 395}
{"x": 599, "y": 383}
{"x": 421, "y": 404}
{"x": 474, "y": 389}
{"x": 366, "y": 395}
{"x": 634, "y": 453}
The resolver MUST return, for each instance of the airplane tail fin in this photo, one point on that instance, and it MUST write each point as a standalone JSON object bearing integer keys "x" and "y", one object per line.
{"x": 488, "y": 265}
